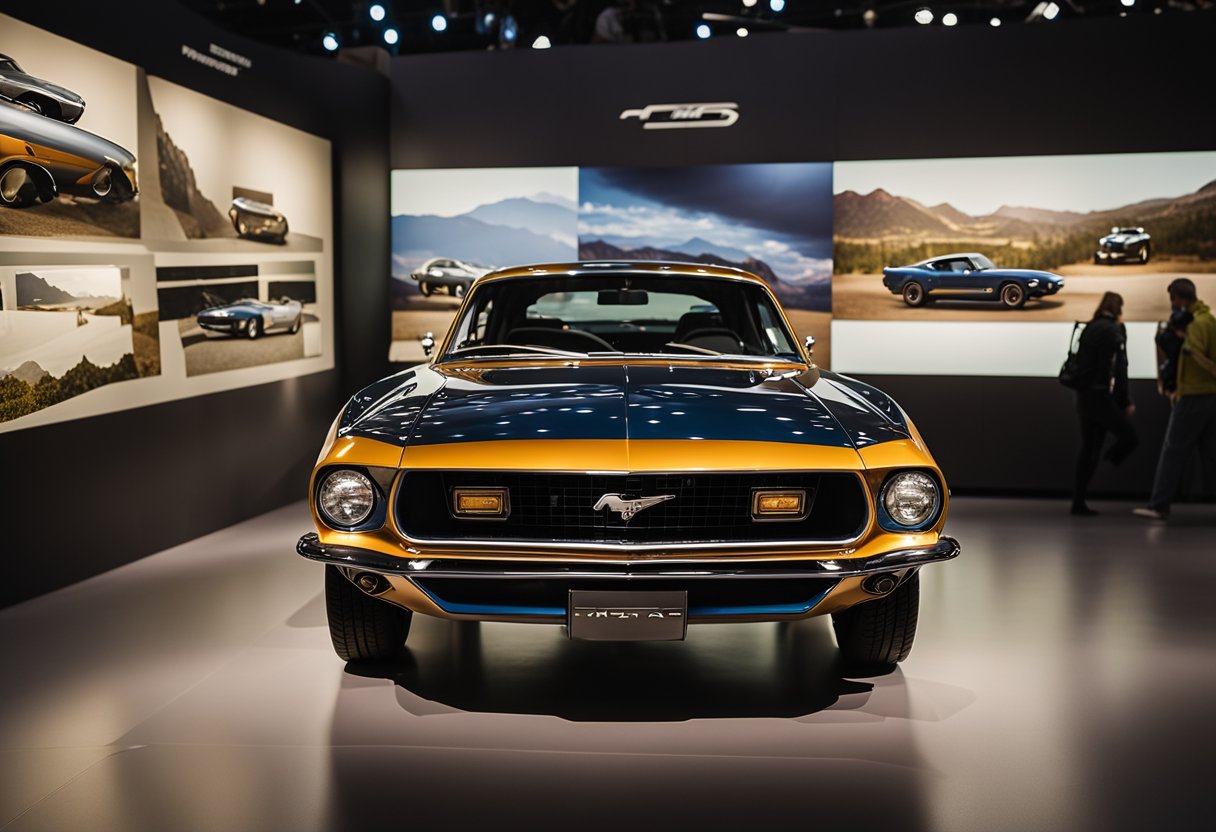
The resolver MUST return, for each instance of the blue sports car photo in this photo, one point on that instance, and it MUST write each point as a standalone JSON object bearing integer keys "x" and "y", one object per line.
{"x": 968, "y": 277}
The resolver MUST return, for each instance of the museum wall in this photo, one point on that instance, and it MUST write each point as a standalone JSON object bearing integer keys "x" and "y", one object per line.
{"x": 1118, "y": 106}
{"x": 214, "y": 432}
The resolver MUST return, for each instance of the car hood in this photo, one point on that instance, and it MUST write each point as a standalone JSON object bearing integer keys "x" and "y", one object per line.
{"x": 1029, "y": 274}
{"x": 619, "y": 402}
{"x": 1120, "y": 238}
{"x": 248, "y": 308}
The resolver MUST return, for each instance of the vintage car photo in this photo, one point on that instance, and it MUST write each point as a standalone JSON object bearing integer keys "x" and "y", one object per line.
{"x": 968, "y": 277}
{"x": 255, "y": 220}
{"x": 251, "y": 318}
{"x": 1124, "y": 245}
{"x": 624, "y": 449}
{"x": 454, "y": 276}
{"x": 41, "y": 158}
{"x": 43, "y": 97}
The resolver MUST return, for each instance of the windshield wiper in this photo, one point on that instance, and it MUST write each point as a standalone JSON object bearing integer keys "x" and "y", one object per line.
{"x": 512, "y": 348}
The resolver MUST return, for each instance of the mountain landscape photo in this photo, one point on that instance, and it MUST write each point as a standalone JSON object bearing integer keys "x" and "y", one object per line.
{"x": 882, "y": 227}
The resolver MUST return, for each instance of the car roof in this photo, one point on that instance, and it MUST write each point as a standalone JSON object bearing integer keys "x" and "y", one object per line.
{"x": 950, "y": 256}
{"x": 601, "y": 267}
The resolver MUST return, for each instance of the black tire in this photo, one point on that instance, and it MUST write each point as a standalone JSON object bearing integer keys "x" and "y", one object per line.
{"x": 363, "y": 628}
{"x": 295, "y": 325}
{"x": 880, "y": 632}
{"x": 458, "y": 290}
{"x": 914, "y": 294}
{"x": 254, "y": 329}
{"x": 426, "y": 289}
{"x": 1144, "y": 255}
{"x": 1013, "y": 296}
{"x": 1097, "y": 260}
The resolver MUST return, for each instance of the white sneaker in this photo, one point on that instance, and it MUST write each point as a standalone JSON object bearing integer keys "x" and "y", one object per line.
{"x": 1151, "y": 514}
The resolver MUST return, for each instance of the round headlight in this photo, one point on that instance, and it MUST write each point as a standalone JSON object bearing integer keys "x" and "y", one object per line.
{"x": 346, "y": 498}
{"x": 910, "y": 498}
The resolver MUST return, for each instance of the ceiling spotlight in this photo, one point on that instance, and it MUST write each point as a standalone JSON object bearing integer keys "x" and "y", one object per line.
{"x": 376, "y": 12}
{"x": 749, "y": 3}
{"x": 509, "y": 30}
{"x": 1128, "y": 3}
{"x": 949, "y": 19}
{"x": 869, "y": 17}
{"x": 541, "y": 42}
{"x": 330, "y": 41}
{"x": 741, "y": 31}
{"x": 923, "y": 16}
{"x": 703, "y": 31}
{"x": 776, "y": 5}
{"x": 391, "y": 36}
{"x": 439, "y": 23}
{"x": 996, "y": 21}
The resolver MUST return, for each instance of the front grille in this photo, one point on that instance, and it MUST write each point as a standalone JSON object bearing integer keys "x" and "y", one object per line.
{"x": 557, "y": 508}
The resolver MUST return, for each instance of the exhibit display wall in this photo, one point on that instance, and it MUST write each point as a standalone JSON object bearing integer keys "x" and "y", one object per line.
{"x": 171, "y": 311}
{"x": 815, "y": 166}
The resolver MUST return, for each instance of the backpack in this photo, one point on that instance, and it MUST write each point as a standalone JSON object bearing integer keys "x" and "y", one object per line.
{"x": 1070, "y": 371}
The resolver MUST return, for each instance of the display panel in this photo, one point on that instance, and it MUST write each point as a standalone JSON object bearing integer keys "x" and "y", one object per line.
{"x": 215, "y": 222}
{"x": 451, "y": 226}
{"x": 986, "y": 263}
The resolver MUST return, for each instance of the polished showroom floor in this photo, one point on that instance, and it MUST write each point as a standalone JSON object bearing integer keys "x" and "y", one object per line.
{"x": 1063, "y": 679}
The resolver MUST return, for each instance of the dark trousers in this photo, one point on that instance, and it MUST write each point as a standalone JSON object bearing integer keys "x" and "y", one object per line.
{"x": 1191, "y": 432}
{"x": 1100, "y": 415}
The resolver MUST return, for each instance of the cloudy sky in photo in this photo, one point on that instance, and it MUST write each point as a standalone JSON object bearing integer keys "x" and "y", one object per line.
{"x": 451, "y": 192}
{"x": 102, "y": 282}
{"x": 778, "y": 213}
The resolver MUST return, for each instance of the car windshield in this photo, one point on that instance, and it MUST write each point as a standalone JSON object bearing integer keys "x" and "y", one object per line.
{"x": 622, "y": 313}
{"x": 979, "y": 261}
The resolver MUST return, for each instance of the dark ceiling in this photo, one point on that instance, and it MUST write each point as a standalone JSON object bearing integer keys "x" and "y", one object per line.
{"x": 450, "y": 25}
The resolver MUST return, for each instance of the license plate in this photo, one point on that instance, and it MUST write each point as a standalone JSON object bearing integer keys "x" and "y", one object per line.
{"x": 627, "y": 616}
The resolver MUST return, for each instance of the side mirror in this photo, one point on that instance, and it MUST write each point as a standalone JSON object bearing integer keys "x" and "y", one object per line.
{"x": 809, "y": 342}
{"x": 428, "y": 343}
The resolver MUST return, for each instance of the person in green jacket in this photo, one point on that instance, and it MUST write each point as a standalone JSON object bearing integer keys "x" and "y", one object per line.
{"x": 1192, "y": 425}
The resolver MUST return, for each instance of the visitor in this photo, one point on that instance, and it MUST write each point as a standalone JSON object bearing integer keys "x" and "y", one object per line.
{"x": 1192, "y": 425}
{"x": 1104, "y": 404}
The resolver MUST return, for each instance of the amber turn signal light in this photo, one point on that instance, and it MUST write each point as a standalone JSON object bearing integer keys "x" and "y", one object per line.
{"x": 484, "y": 503}
{"x": 779, "y": 505}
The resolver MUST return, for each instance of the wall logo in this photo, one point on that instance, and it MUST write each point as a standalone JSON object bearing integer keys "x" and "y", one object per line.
{"x": 680, "y": 116}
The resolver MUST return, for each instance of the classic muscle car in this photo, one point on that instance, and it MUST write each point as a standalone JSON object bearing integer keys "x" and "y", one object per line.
{"x": 41, "y": 158}
{"x": 255, "y": 220}
{"x": 252, "y": 318}
{"x": 1124, "y": 245}
{"x": 624, "y": 449}
{"x": 50, "y": 100}
{"x": 968, "y": 277}
{"x": 445, "y": 273}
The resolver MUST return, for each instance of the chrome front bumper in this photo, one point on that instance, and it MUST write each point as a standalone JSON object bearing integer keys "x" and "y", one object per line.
{"x": 350, "y": 557}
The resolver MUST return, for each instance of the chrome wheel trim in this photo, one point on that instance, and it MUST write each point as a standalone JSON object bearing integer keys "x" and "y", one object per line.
{"x": 11, "y": 183}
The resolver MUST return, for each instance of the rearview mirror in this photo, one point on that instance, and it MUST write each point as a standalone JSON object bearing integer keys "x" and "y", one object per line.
{"x": 622, "y": 297}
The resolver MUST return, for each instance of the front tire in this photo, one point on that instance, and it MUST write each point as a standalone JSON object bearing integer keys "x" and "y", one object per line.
{"x": 362, "y": 628}
{"x": 1143, "y": 255}
{"x": 295, "y": 325}
{"x": 914, "y": 294}
{"x": 880, "y": 632}
{"x": 1013, "y": 296}
{"x": 426, "y": 289}
{"x": 254, "y": 330}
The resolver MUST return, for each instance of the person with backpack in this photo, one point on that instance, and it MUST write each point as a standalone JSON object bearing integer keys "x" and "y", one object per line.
{"x": 1192, "y": 425}
{"x": 1104, "y": 403}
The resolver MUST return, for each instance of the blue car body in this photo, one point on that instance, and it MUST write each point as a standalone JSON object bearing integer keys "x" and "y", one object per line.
{"x": 969, "y": 276}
